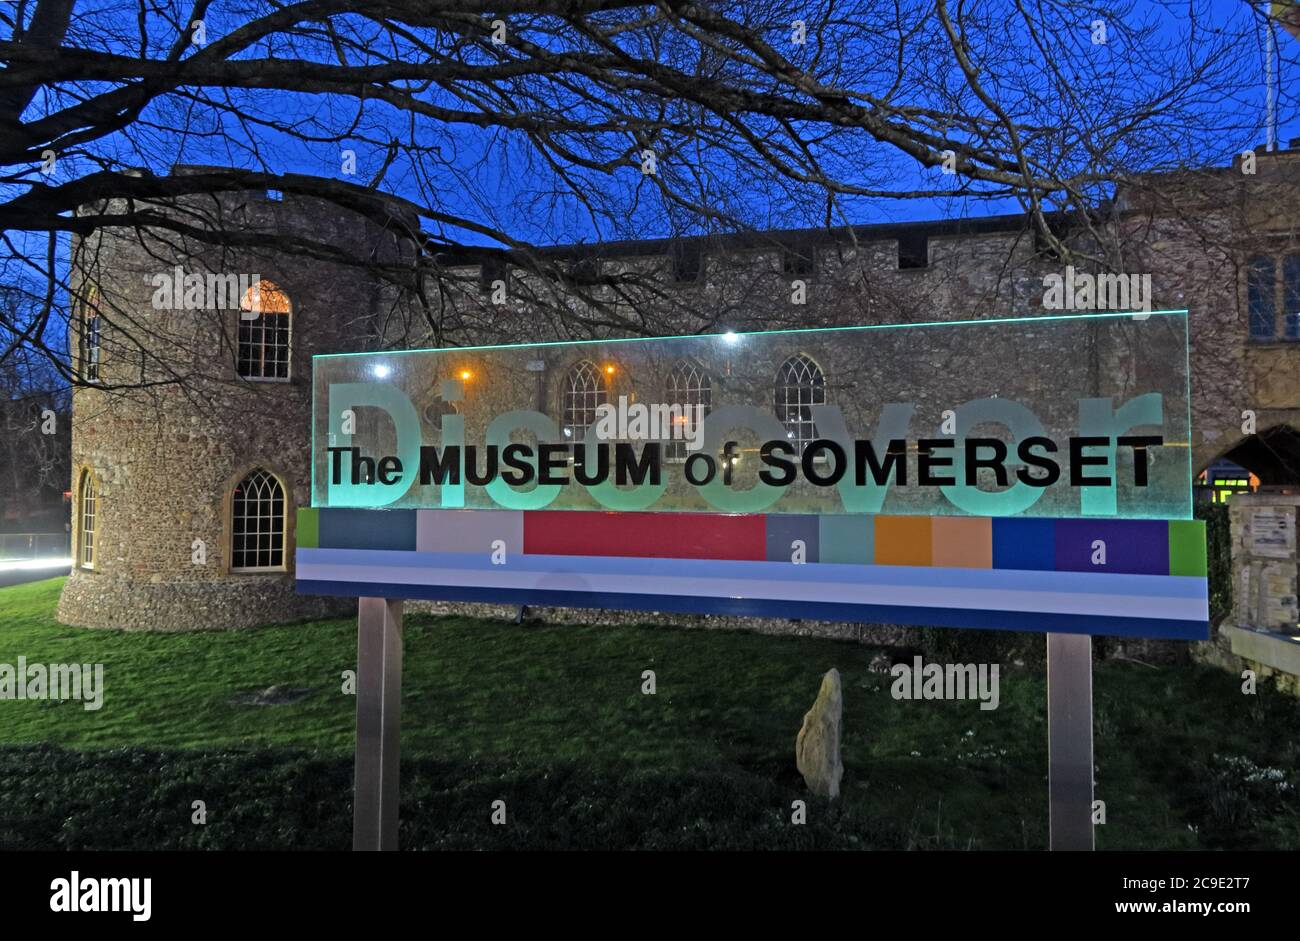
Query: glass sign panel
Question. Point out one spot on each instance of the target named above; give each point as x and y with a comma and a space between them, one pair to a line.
1054, 416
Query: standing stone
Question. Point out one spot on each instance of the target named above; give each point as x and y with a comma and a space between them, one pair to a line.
817, 749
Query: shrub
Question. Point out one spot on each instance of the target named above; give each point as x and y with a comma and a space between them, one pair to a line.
1218, 548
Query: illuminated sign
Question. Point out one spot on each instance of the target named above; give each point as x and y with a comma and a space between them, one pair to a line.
1047, 416
1030, 473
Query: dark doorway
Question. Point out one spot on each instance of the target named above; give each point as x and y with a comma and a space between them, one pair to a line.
1272, 455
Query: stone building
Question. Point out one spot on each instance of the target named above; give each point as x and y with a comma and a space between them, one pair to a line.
184, 484
189, 455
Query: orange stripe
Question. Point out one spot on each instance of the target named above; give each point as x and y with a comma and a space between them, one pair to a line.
903, 540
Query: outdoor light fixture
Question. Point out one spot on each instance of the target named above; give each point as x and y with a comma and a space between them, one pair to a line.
730, 337
609, 370
465, 375
381, 371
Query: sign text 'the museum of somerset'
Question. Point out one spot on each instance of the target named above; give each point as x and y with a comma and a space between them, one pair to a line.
1059, 416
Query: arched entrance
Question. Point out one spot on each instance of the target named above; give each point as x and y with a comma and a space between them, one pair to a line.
1268, 462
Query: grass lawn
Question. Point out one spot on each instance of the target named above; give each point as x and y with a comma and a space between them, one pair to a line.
551, 719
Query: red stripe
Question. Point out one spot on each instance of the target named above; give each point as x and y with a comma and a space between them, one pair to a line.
645, 535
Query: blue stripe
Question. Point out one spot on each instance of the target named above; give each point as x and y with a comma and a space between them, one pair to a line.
1163, 586
1024, 543
742, 607
366, 529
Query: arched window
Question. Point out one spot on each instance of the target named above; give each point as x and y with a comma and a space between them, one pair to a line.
88, 328
88, 503
800, 384
584, 391
1291, 295
257, 523
688, 385
264, 317
1261, 297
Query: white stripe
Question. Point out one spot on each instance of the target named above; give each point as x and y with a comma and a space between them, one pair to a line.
979, 599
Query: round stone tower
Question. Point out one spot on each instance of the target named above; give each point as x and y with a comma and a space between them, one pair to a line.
190, 448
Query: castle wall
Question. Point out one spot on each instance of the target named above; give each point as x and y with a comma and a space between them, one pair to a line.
168, 455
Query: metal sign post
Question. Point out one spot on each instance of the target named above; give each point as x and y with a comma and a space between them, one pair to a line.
1069, 741
379, 723
378, 754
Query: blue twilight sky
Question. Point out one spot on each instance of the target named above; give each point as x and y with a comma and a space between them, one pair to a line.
492, 178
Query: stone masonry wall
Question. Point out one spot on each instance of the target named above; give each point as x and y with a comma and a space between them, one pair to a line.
167, 456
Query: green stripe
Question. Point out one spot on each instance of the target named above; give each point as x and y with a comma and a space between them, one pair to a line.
1187, 547
308, 531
